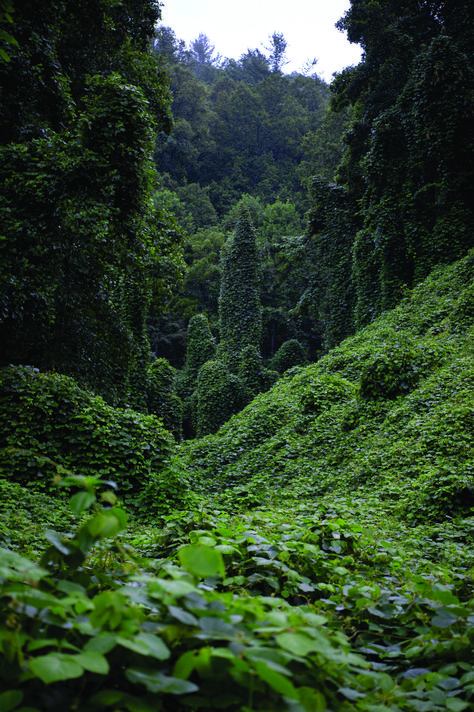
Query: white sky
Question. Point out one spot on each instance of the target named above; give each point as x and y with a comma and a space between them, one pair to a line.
233, 27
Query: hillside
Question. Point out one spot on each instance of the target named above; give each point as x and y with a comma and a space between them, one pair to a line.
319, 558
390, 410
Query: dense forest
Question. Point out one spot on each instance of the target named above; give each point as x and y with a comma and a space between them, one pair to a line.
236, 365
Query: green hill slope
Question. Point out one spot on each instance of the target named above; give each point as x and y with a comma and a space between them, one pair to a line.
390, 409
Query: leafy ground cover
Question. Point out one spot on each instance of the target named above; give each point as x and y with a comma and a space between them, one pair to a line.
390, 409
323, 562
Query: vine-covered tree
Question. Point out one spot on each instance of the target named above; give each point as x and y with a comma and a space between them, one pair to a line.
409, 159
240, 314
83, 250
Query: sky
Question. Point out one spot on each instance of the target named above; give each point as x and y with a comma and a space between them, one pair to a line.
233, 27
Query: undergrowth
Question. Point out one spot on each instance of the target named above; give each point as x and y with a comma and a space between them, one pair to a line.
323, 561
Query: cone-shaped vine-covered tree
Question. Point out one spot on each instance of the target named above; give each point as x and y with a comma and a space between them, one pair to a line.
240, 316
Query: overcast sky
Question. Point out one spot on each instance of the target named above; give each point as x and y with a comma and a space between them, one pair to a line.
233, 27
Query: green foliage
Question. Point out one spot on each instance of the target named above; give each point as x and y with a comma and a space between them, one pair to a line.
47, 422
239, 301
330, 296
389, 408
218, 395
331, 601
162, 399
325, 392
397, 368
83, 251
240, 127
27, 513
291, 353
201, 346
408, 158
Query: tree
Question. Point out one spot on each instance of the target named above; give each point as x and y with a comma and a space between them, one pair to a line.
409, 152
83, 248
205, 63
239, 301
277, 49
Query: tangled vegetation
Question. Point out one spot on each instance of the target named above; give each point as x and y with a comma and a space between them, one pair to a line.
323, 562
311, 550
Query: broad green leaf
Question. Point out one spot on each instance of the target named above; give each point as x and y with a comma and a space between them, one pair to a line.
201, 561
14, 567
81, 501
444, 618
101, 644
156, 647
70, 587
443, 594
156, 682
185, 665
10, 699
109, 497
297, 643
351, 694
103, 525
44, 643
175, 588
456, 705
277, 682
94, 662
138, 646
54, 667
183, 616
216, 627
58, 542
107, 698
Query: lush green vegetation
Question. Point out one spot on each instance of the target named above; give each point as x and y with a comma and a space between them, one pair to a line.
252, 490
319, 556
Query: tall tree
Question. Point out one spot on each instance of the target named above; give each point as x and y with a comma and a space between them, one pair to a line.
205, 60
277, 49
409, 157
83, 249
240, 318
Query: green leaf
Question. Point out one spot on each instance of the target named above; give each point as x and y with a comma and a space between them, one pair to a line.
101, 644
54, 667
14, 567
201, 561
156, 647
185, 665
444, 618
58, 542
297, 643
81, 501
107, 524
156, 682
456, 705
138, 646
94, 662
183, 616
9, 700
107, 698
277, 682
350, 694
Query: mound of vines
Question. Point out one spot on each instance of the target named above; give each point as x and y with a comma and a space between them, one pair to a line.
390, 408
49, 425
